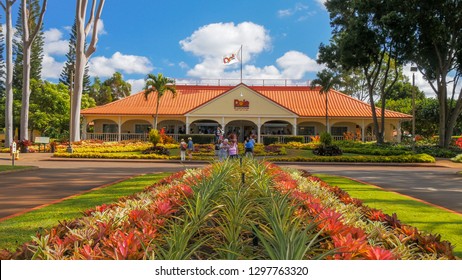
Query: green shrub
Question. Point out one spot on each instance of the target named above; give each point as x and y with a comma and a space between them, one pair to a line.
299, 139
268, 140
437, 151
200, 139
419, 158
457, 158
326, 139
154, 137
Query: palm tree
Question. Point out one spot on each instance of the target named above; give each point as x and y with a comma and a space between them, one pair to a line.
326, 79
161, 85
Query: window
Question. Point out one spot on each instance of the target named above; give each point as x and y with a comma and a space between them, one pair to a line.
306, 130
338, 130
142, 128
110, 128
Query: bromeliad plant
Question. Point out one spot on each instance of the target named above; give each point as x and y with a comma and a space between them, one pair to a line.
233, 210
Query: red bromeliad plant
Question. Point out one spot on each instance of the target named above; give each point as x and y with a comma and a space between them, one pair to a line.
210, 213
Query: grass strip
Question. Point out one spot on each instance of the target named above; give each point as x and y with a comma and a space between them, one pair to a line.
18, 230
11, 168
413, 212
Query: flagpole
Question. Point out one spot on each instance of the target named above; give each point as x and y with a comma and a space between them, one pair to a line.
241, 64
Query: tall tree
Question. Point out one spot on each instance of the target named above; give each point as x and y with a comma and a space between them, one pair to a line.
2, 63
434, 44
9, 73
119, 88
160, 85
100, 93
82, 55
326, 80
36, 53
27, 39
361, 40
70, 63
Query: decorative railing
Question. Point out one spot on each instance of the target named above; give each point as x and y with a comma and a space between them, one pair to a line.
114, 137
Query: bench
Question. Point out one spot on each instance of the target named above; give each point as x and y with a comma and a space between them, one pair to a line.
42, 141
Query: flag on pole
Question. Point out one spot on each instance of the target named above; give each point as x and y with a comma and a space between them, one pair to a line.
232, 58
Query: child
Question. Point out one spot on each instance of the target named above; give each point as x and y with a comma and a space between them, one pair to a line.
224, 147
183, 147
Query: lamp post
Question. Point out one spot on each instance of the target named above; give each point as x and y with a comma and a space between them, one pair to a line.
413, 70
71, 85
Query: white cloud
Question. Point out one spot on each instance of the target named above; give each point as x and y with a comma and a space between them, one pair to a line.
54, 43
209, 43
137, 85
130, 64
101, 30
51, 69
420, 82
295, 65
300, 10
217, 39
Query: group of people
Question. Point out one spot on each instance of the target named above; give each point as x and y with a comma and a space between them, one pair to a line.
186, 148
228, 147
224, 147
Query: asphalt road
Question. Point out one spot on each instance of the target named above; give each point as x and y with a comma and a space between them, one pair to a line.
54, 180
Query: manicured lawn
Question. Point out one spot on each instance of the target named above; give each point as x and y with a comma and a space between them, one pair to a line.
17, 230
16, 167
423, 216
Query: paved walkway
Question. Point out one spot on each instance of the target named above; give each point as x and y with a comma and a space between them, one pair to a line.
56, 179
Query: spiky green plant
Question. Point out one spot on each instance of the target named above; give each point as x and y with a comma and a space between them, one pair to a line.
283, 235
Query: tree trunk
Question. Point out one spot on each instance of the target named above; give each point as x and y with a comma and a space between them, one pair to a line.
80, 63
27, 45
25, 94
157, 111
9, 133
82, 57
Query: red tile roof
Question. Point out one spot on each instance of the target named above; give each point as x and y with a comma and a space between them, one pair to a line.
302, 100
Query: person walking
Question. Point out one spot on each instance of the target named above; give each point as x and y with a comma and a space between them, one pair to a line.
249, 145
233, 149
190, 148
183, 148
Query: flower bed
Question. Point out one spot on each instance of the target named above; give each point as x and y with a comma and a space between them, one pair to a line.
229, 211
419, 158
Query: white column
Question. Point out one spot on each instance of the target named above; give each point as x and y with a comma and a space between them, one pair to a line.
84, 129
398, 131
119, 136
259, 130
294, 131
363, 132
187, 125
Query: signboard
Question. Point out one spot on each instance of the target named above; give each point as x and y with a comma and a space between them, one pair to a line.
241, 104
13, 147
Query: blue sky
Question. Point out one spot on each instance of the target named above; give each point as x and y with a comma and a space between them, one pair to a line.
186, 39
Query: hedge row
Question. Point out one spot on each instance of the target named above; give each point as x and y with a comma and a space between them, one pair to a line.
419, 158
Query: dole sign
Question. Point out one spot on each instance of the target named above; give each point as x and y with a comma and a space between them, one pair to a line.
241, 104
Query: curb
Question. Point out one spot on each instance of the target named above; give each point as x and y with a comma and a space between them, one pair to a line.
198, 162
19, 170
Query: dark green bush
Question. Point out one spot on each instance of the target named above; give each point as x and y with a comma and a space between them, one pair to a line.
158, 150
268, 140
330, 150
437, 151
200, 139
